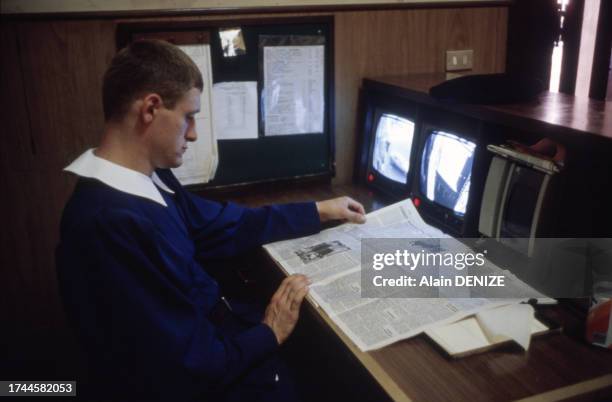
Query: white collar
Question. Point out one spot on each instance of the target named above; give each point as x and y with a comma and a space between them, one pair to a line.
119, 177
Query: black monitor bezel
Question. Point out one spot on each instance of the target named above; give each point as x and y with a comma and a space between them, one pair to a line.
374, 105
440, 216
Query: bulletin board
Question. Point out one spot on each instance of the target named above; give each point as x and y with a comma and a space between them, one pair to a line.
282, 70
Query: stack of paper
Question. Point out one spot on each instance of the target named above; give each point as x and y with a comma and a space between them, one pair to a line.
488, 329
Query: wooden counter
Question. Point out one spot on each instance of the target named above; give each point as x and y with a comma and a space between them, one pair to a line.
556, 366
564, 114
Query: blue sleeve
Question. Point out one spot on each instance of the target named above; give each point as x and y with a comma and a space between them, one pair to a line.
225, 230
221, 230
131, 299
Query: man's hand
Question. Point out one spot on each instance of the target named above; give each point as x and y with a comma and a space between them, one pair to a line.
343, 208
284, 309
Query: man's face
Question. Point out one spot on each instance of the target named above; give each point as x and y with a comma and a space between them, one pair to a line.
173, 129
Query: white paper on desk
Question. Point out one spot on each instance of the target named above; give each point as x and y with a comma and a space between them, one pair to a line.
200, 160
382, 322
235, 110
513, 321
293, 89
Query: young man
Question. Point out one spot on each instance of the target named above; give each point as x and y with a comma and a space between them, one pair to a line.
134, 247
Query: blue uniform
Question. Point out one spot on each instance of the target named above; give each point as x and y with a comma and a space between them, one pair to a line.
132, 279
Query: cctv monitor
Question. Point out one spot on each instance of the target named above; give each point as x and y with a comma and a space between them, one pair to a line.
392, 147
446, 170
385, 156
447, 173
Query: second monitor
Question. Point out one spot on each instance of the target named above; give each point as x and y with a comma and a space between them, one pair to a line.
447, 154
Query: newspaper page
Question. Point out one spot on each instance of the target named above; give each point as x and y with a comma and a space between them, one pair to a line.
332, 260
337, 251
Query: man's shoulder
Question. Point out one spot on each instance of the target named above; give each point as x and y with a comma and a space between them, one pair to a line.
93, 202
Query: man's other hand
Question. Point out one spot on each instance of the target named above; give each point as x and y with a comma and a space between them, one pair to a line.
284, 309
341, 208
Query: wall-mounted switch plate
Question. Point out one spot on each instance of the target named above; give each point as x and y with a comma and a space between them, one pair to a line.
457, 60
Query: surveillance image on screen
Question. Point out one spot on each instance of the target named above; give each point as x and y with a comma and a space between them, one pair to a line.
391, 156
446, 169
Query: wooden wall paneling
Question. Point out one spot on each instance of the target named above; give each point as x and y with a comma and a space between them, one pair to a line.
41, 342
61, 65
381, 43
28, 244
15, 137
16, 157
488, 30
64, 62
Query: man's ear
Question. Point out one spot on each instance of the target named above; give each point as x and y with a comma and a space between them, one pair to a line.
151, 104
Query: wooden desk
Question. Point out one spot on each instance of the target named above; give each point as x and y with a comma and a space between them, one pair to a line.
556, 367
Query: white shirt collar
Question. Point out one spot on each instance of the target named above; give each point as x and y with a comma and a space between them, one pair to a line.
119, 177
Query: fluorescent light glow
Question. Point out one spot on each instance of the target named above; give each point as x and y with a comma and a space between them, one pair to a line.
555, 68
587, 47
557, 56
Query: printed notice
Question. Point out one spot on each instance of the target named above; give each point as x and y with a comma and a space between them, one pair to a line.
293, 89
235, 110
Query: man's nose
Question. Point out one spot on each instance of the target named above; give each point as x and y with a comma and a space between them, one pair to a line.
192, 133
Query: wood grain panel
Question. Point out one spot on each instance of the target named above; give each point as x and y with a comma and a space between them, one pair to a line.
410, 41
63, 65
51, 97
15, 156
15, 138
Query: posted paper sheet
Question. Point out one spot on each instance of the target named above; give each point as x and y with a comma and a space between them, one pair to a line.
201, 158
293, 89
235, 110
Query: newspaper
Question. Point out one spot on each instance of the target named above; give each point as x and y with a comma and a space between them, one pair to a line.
332, 260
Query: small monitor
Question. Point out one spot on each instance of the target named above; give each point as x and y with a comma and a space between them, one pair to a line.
513, 199
446, 170
392, 147
521, 202
388, 134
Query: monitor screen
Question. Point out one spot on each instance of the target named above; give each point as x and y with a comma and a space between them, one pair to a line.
446, 170
392, 146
